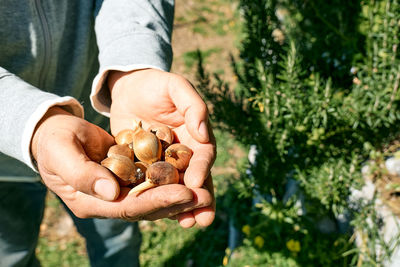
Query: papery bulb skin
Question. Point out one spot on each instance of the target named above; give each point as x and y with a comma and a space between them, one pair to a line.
179, 156
159, 173
122, 166
141, 171
164, 133
146, 145
123, 150
124, 137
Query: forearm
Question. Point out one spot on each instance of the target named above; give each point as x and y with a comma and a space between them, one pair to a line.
135, 32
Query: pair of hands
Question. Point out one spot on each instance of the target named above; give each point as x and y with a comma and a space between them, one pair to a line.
68, 151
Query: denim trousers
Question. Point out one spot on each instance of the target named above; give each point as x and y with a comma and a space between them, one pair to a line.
109, 242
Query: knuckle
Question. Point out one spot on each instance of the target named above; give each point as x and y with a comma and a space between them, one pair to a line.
123, 214
204, 198
214, 149
129, 215
208, 201
213, 155
210, 155
167, 198
202, 109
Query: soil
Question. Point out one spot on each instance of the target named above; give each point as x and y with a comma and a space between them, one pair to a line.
187, 38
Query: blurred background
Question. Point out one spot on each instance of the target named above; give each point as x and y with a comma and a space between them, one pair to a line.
303, 96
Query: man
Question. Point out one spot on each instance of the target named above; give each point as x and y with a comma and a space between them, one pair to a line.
48, 53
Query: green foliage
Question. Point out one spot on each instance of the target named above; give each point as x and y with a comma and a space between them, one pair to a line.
50, 256
190, 58
317, 94
166, 244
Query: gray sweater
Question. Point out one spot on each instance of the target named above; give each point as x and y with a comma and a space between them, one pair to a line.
58, 52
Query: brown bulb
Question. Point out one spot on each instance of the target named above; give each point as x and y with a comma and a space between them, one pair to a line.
159, 173
141, 171
123, 167
146, 145
164, 133
125, 137
123, 150
179, 156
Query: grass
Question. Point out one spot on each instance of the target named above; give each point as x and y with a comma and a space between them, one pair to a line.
59, 244
166, 244
248, 255
61, 254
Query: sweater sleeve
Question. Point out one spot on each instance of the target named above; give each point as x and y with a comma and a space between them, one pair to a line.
131, 34
21, 108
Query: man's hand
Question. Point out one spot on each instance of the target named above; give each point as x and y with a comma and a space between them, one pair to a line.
68, 150
154, 96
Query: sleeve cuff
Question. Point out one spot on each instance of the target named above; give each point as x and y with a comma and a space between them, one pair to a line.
68, 103
129, 52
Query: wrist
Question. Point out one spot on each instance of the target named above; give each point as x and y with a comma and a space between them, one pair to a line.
115, 75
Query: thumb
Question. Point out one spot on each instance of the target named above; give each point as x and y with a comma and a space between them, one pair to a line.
83, 174
192, 107
196, 120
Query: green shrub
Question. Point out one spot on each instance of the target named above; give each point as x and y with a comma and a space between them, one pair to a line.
317, 94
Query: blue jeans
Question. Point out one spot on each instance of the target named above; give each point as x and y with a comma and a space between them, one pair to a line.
109, 242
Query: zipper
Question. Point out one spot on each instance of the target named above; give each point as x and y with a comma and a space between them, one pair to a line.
47, 43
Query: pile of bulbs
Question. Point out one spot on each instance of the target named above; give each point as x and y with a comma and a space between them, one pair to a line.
145, 159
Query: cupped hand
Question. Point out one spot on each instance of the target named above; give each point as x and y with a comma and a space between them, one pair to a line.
155, 96
68, 150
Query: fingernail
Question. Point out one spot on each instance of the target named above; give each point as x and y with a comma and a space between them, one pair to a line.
203, 130
105, 188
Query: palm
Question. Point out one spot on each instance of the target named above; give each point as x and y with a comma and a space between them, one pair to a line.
148, 99
153, 96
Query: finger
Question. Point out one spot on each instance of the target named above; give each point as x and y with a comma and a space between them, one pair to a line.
73, 165
200, 165
131, 207
189, 103
186, 219
201, 198
206, 215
